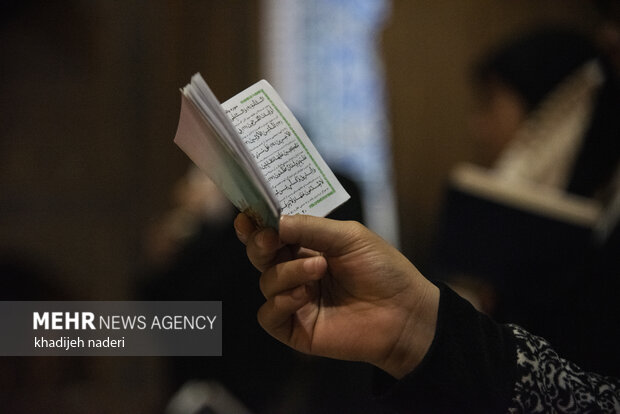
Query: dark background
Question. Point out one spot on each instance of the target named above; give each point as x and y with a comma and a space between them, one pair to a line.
89, 103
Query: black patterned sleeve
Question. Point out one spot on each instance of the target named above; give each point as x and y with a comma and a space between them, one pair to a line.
476, 365
547, 383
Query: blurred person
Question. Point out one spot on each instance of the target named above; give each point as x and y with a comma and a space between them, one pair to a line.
466, 378
548, 111
36, 384
194, 254
548, 122
196, 200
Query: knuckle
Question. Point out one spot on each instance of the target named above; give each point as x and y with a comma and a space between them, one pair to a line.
355, 229
260, 316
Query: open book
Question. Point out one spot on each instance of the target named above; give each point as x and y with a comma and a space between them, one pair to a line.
256, 152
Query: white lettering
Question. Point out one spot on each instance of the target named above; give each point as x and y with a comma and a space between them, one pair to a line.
38, 320
75, 320
211, 320
87, 320
57, 320
63, 321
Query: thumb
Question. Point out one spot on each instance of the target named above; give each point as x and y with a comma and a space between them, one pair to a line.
318, 233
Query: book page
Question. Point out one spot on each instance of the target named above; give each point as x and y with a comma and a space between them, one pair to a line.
300, 179
211, 147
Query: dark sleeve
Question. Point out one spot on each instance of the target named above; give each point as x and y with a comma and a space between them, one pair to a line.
476, 365
469, 368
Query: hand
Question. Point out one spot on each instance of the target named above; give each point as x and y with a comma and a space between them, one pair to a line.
336, 289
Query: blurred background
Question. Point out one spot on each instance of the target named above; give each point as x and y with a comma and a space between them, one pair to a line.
89, 104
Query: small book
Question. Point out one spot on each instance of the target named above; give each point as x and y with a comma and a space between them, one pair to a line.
256, 152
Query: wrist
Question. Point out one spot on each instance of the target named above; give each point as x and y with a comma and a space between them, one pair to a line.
417, 334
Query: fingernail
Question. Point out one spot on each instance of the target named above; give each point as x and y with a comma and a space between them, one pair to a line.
240, 235
283, 218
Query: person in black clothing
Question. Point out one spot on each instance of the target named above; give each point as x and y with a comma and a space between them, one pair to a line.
336, 289
207, 263
550, 115
530, 90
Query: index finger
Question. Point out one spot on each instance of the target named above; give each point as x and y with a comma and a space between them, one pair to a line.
264, 249
262, 245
